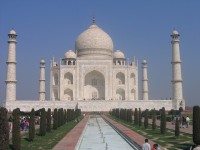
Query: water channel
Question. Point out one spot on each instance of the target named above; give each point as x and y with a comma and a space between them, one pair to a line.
99, 135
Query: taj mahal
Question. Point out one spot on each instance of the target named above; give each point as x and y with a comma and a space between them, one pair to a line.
94, 77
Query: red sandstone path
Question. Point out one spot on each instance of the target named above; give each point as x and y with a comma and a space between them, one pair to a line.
71, 139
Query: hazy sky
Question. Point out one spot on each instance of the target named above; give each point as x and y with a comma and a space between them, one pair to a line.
139, 28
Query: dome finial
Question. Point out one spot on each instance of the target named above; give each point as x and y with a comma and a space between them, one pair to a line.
93, 19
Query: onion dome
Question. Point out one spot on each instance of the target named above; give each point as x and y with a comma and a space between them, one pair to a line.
94, 42
13, 32
119, 55
70, 54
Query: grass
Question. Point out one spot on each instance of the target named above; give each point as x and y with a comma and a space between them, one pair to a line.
48, 141
167, 140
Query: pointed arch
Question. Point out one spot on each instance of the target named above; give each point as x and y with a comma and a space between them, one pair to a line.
132, 76
68, 78
94, 87
120, 78
120, 94
133, 94
68, 94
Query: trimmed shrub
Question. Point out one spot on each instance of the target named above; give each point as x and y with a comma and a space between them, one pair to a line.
43, 126
16, 137
55, 119
4, 130
154, 120
136, 117
177, 130
163, 121
49, 120
196, 125
32, 126
146, 119
140, 118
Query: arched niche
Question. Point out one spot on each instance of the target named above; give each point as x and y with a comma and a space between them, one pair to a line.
94, 87
68, 94
120, 94
68, 78
120, 78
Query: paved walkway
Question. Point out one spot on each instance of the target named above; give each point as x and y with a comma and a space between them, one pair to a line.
71, 139
130, 133
169, 125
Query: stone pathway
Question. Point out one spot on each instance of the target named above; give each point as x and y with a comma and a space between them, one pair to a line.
71, 139
169, 125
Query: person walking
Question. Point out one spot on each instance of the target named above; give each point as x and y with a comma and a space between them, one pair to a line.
187, 121
146, 145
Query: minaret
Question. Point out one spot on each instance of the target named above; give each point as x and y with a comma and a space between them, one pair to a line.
11, 67
145, 94
177, 93
42, 81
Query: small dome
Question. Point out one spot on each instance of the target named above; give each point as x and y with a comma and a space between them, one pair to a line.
118, 54
175, 32
70, 54
94, 42
42, 61
13, 32
144, 62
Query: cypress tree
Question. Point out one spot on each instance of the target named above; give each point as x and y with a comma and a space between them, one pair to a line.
146, 119
32, 126
4, 130
55, 119
16, 137
196, 125
59, 117
49, 120
154, 120
65, 115
140, 118
177, 130
163, 121
136, 117
43, 125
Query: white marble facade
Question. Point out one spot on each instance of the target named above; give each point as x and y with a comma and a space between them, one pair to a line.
93, 77
94, 71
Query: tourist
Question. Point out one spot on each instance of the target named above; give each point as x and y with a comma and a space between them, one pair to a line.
187, 121
146, 145
154, 147
157, 148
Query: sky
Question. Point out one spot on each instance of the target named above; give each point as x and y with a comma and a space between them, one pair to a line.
140, 29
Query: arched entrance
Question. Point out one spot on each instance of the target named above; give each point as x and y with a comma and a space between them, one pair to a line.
94, 87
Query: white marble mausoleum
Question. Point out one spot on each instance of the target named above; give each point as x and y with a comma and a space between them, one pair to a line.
94, 77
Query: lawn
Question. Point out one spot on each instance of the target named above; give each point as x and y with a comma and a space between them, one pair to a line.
167, 140
48, 141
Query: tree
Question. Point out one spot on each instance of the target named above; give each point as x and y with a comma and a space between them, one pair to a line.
140, 117
163, 121
49, 120
177, 130
32, 126
154, 120
55, 119
43, 122
136, 118
16, 137
4, 130
196, 125
146, 119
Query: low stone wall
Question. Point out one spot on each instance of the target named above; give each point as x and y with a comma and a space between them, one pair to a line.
88, 106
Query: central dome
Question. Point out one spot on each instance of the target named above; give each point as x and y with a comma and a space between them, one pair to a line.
94, 42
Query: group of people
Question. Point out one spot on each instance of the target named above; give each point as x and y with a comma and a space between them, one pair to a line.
147, 146
183, 121
24, 124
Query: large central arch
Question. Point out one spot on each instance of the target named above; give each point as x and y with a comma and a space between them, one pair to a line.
94, 87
